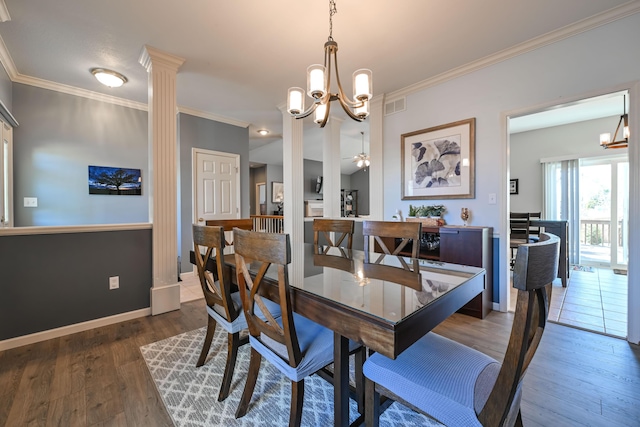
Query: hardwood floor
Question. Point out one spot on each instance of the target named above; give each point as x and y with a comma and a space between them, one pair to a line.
98, 377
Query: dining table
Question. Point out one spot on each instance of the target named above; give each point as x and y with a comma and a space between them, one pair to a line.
386, 303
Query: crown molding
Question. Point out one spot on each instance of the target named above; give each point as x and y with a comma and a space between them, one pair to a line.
211, 116
7, 60
587, 24
4, 12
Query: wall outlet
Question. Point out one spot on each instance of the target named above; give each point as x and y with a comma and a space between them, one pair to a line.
492, 198
30, 202
114, 282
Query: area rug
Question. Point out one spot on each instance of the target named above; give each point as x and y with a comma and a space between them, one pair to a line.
586, 268
190, 393
618, 271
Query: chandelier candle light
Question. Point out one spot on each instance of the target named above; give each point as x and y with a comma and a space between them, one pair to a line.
319, 86
605, 138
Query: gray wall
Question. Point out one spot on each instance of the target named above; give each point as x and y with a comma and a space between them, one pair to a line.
59, 136
54, 280
575, 140
360, 182
274, 174
196, 132
6, 94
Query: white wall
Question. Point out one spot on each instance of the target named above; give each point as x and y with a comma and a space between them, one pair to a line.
575, 140
573, 68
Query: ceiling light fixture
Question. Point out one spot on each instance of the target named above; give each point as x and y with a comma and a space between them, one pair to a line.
362, 159
319, 86
605, 138
263, 132
109, 77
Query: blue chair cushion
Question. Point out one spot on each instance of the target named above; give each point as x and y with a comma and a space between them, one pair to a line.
240, 323
316, 346
447, 380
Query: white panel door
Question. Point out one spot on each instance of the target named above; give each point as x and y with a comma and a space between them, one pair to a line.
216, 184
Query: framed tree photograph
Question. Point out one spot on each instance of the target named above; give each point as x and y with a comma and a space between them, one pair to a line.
115, 181
513, 186
439, 162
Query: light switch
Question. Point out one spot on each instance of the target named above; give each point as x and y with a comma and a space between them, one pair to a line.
30, 202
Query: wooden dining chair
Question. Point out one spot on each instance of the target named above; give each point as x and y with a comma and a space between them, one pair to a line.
295, 345
230, 224
343, 229
519, 232
408, 232
458, 385
534, 231
223, 306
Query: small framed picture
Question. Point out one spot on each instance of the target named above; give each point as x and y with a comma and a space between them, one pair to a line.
513, 186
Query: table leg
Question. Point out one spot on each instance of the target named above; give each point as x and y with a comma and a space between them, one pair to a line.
340, 380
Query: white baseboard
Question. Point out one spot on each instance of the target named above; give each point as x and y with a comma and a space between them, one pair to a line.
72, 329
165, 298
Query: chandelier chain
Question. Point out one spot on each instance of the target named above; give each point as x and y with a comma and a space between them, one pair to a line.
332, 11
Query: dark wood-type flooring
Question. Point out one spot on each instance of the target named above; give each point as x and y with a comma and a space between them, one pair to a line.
98, 377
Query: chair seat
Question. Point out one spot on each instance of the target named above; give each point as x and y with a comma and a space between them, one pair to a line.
240, 322
514, 243
449, 381
316, 346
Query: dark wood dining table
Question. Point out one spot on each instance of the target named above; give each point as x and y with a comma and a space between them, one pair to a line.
386, 304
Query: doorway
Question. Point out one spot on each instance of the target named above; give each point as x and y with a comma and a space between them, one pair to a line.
215, 185
261, 198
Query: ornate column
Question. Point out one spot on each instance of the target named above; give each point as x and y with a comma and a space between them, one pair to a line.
376, 170
162, 183
292, 144
331, 157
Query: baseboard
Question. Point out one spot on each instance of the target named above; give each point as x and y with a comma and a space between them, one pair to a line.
165, 298
72, 329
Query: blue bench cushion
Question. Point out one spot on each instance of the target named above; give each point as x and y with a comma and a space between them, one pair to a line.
447, 380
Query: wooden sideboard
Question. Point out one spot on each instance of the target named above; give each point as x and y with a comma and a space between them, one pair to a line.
470, 245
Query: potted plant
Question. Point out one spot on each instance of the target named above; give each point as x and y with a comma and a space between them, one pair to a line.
413, 211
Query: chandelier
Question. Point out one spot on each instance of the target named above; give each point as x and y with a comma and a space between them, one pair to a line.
605, 138
319, 86
362, 159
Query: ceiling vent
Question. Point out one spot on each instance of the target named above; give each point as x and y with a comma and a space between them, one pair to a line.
395, 106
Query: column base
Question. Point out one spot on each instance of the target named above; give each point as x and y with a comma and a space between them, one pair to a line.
165, 298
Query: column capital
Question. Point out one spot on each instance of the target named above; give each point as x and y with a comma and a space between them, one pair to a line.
150, 55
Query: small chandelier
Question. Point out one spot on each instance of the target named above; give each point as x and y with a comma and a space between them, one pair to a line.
362, 159
605, 138
319, 86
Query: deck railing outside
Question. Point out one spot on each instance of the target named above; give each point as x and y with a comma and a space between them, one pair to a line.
268, 223
597, 232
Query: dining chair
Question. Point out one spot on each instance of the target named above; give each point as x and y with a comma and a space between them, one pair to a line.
534, 231
408, 232
519, 232
324, 227
295, 345
223, 306
230, 224
458, 385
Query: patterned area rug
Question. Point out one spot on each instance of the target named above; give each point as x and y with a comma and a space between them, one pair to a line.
190, 393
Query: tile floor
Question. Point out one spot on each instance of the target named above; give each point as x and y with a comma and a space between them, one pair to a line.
593, 300
190, 288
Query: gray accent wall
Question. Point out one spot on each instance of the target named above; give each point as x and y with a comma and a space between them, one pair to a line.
360, 182
54, 280
196, 132
59, 136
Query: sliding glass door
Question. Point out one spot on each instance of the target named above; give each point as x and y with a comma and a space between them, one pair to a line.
603, 207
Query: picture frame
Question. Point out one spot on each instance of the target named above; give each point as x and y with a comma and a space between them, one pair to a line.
107, 180
439, 162
277, 192
513, 186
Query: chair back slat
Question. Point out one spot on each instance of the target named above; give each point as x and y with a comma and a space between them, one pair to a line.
537, 266
229, 224
266, 250
324, 227
409, 232
206, 241
519, 228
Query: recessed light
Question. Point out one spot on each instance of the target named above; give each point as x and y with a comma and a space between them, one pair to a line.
109, 77
263, 132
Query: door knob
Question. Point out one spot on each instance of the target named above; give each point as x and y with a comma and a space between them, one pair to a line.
200, 220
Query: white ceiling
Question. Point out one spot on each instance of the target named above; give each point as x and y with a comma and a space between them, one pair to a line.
241, 56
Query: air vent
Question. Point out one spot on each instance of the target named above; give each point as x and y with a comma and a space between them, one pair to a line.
394, 106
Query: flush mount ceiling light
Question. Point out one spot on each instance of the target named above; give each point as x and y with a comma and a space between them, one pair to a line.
605, 138
362, 159
263, 132
319, 86
109, 77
